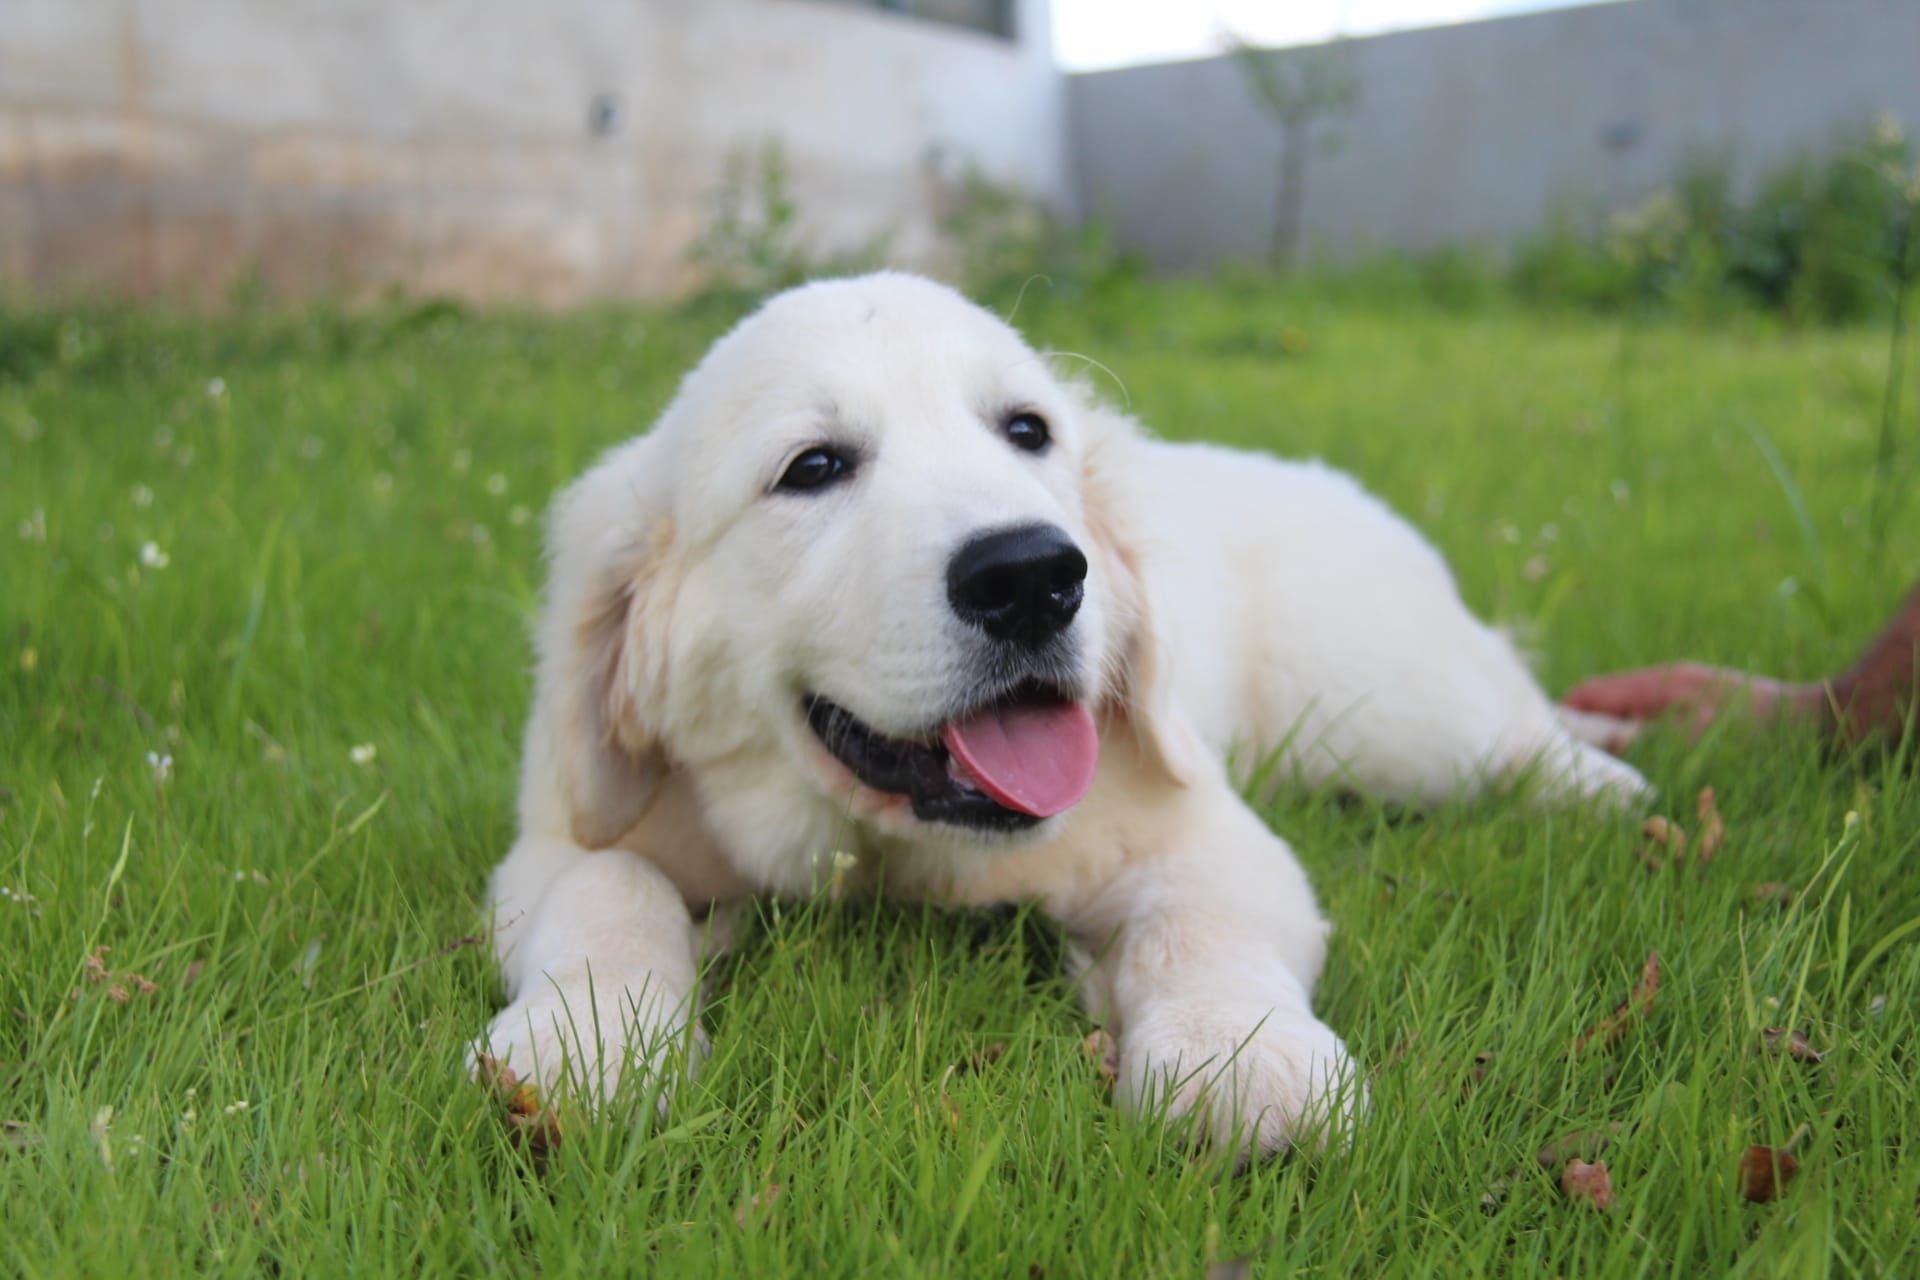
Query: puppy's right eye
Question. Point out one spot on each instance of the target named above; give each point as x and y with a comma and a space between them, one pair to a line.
815, 469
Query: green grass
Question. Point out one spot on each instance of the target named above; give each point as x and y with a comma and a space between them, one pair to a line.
350, 519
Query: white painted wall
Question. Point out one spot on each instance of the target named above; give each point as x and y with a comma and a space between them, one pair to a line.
166, 146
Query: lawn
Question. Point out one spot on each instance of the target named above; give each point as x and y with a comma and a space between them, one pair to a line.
263, 598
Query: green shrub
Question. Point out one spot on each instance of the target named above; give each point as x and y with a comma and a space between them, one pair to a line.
1004, 240
753, 242
1820, 240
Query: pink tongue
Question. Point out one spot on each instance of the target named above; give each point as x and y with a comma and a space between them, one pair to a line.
1038, 760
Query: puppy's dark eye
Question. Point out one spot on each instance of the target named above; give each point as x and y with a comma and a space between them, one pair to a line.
1029, 431
815, 469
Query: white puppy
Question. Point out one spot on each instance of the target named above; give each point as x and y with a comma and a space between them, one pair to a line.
881, 598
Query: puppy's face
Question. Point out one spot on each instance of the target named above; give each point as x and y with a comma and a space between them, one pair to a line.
886, 584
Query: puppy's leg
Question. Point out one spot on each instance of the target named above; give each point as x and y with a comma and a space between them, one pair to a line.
1204, 960
1566, 770
599, 955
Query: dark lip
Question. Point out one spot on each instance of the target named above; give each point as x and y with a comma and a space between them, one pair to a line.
919, 769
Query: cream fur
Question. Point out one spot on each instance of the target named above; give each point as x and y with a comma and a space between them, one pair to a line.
1235, 603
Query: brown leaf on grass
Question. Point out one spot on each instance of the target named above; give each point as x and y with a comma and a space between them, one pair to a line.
981, 1059
1099, 1046
1587, 1182
1765, 1172
1713, 830
1581, 1144
120, 986
1779, 1040
753, 1205
1498, 1190
1772, 891
1639, 1004
1665, 842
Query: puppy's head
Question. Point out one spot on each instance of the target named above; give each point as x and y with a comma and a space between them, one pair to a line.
864, 566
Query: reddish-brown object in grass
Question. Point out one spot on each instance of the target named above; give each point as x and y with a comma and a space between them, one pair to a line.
1588, 1182
1765, 1172
1713, 829
750, 1208
1100, 1047
1666, 835
1794, 1044
528, 1121
1637, 1005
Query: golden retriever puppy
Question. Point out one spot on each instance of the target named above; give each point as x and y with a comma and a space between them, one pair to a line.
880, 598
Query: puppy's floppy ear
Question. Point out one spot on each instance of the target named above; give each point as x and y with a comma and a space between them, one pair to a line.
1139, 683
594, 752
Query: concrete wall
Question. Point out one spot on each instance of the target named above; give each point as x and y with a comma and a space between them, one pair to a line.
167, 146
1473, 133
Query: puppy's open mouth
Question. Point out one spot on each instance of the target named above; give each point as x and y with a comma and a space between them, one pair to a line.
1001, 767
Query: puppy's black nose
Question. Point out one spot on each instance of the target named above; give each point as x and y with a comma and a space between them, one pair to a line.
1022, 585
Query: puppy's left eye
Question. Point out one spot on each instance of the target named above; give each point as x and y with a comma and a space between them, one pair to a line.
1028, 431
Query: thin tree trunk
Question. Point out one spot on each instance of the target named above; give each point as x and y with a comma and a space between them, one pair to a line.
1290, 199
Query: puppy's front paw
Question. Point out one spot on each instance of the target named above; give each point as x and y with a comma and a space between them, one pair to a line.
567, 1043
1254, 1080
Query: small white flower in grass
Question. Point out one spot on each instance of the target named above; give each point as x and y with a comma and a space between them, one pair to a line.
34, 527
363, 753
216, 387
142, 496
496, 484
152, 557
519, 515
162, 767
235, 1108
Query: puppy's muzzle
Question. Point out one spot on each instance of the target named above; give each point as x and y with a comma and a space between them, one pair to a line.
1020, 585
